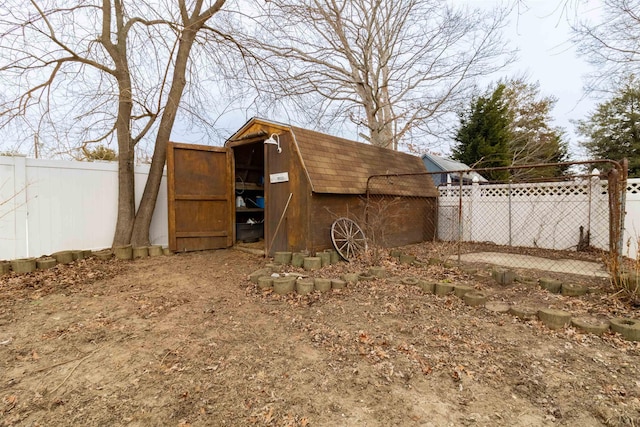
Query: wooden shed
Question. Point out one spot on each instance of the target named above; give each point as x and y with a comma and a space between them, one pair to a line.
287, 185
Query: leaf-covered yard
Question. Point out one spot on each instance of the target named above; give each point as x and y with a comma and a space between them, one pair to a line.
188, 340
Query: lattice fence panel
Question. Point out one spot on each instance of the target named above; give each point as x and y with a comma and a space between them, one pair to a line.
541, 215
557, 219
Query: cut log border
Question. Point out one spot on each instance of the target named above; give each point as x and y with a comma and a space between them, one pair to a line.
140, 252
123, 252
552, 285
46, 263
443, 288
155, 250
23, 265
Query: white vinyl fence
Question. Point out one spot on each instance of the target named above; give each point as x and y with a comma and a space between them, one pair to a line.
542, 215
632, 220
52, 205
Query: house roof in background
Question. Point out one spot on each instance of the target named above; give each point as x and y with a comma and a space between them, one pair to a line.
337, 165
449, 165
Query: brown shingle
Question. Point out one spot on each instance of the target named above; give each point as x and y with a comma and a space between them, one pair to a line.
340, 166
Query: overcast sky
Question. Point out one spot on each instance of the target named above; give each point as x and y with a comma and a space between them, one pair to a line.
540, 29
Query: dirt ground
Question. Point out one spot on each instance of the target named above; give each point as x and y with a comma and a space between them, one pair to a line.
188, 340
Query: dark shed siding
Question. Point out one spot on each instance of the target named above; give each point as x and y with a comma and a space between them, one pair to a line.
328, 179
395, 221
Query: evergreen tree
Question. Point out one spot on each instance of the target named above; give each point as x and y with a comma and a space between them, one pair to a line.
511, 127
613, 130
534, 140
484, 134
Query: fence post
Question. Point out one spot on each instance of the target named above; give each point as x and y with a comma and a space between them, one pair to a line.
475, 197
616, 190
459, 215
509, 195
623, 207
21, 213
594, 185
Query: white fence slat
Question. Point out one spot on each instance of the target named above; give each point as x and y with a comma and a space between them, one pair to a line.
632, 219
8, 237
65, 205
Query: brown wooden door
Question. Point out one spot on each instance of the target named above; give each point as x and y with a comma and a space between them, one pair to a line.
277, 195
200, 194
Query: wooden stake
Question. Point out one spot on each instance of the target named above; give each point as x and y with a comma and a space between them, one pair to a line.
273, 238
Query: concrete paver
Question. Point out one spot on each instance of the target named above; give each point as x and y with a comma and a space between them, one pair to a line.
571, 266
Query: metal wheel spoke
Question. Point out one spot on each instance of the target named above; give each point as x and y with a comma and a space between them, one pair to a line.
345, 230
348, 238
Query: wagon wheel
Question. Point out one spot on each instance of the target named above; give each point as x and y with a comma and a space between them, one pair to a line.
348, 238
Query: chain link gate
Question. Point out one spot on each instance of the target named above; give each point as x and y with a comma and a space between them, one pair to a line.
568, 221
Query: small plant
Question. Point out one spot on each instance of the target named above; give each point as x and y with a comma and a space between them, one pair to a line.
627, 281
446, 250
379, 212
374, 218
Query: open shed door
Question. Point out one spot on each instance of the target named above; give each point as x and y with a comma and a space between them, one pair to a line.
200, 194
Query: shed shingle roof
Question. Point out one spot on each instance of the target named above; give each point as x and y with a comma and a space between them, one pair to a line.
337, 165
340, 166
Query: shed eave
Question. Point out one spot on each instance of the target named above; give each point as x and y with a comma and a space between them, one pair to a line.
239, 137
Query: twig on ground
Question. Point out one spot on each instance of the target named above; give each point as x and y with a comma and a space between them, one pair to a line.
74, 368
55, 365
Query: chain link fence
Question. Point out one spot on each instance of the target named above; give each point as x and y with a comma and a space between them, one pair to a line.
571, 224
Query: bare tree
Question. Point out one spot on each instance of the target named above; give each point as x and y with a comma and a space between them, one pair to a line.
395, 67
114, 69
611, 43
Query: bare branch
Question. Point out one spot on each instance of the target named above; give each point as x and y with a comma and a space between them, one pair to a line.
610, 44
391, 66
78, 73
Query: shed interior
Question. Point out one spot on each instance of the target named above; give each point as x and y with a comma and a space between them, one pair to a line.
249, 170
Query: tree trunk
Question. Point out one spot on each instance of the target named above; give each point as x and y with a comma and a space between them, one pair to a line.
126, 199
192, 24
126, 175
126, 153
142, 223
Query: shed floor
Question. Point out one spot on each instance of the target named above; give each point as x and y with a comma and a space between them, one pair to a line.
256, 248
572, 266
